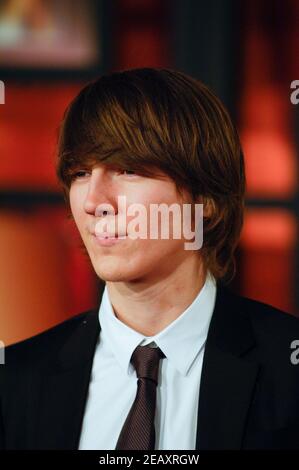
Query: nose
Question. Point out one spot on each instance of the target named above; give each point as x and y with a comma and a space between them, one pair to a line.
101, 195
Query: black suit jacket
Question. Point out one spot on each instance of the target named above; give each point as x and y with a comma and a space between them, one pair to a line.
249, 391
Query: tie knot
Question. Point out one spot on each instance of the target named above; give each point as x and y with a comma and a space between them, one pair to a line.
146, 362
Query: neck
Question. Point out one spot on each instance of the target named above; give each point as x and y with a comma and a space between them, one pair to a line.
149, 307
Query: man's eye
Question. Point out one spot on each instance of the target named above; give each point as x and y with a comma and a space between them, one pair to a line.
129, 172
82, 173
78, 174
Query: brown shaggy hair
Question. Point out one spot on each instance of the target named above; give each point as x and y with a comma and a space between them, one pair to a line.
149, 119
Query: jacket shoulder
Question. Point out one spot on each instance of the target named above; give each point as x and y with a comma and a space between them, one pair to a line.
266, 314
274, 329
51, 339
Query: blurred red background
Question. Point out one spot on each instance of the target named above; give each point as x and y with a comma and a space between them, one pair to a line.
247, 55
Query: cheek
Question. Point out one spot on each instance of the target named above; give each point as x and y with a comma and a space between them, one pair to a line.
155, 192
159, 249
154, 195
76, 207
73, 200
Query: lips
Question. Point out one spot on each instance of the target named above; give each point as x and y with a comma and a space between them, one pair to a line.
107, 241
109, 235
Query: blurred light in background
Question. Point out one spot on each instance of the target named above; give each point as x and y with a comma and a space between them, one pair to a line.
267, 122
41, 33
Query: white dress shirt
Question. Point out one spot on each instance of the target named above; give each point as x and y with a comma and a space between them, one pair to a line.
113, 382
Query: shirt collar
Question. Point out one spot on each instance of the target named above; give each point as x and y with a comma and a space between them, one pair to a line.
180, 341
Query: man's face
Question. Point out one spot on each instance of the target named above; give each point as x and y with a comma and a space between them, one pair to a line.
128, 259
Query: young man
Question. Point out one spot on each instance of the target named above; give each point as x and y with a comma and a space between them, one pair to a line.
171, 358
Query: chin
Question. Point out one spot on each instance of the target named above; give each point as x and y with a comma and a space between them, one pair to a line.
110, 277
116, 274
112, 273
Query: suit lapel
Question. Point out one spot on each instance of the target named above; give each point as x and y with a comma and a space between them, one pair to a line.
226, 389
228, 379
63, 387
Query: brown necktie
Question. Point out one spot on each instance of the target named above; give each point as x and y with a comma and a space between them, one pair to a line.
138, 431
